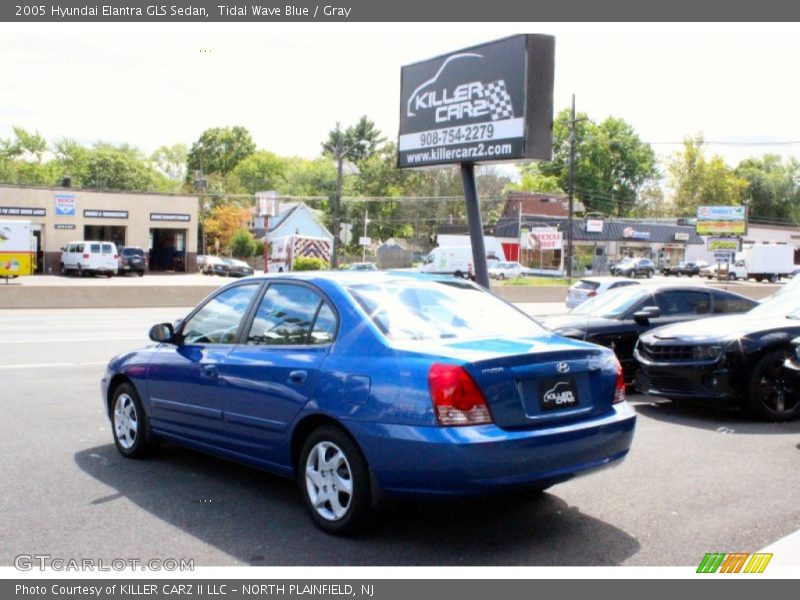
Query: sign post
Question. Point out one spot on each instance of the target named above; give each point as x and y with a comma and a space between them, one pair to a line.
485, 104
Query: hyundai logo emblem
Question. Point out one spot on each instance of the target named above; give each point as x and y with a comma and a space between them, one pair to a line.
562, 367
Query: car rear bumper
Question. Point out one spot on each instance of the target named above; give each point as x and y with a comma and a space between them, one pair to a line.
485, 459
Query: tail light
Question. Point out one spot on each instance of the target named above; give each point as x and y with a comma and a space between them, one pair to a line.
116, 257
619, 388
456, 398
86, 256
591, 294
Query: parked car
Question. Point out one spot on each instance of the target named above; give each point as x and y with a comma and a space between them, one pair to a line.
583, 289
731, 272
508, 270
634, 267
202, 261
214, 265
132, 260
90, 258
363, 266
367, 385
730, 360
690, 268
237, 268
617, 318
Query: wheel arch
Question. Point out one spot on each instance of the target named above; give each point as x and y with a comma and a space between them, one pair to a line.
305, 426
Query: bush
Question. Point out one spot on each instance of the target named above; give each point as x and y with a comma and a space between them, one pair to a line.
309, 263
242, 244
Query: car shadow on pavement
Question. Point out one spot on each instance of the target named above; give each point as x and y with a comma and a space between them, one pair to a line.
260, 519
714, 418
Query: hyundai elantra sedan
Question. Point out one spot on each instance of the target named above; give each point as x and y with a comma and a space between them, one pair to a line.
363, 386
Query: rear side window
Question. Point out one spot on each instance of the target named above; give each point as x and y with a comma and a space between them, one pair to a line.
94, 248
78, 248
585, 284
683, 303
107, 249
725, 304
292, 315
620, 284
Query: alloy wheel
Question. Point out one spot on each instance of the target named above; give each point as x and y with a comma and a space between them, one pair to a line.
126, 421
774, 391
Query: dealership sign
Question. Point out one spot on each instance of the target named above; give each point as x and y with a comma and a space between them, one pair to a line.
721, 220
22, 211
631, 234
488, 103
594, 225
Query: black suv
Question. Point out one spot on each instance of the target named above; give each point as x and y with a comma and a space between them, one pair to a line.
132, 260
634, 267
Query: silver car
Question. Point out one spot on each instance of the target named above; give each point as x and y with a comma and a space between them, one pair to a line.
583, 289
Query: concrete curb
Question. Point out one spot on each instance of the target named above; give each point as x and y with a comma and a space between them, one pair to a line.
103, 297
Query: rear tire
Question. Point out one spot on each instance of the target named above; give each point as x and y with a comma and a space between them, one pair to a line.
62, 269
769, 395
334, 481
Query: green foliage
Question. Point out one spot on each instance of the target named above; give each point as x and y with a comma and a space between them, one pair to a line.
261, 171
120, 168
699, 181
772, 187
611, 163
219, 150
534, 181
359, 141
242, 244
309, 263
309, 178
171, 161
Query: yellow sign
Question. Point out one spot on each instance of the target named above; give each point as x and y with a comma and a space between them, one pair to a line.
14, 264
721, 227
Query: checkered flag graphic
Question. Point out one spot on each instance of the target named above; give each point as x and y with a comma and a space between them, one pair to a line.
499, 100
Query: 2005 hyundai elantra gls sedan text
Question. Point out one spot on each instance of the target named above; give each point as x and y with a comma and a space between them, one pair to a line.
363, 386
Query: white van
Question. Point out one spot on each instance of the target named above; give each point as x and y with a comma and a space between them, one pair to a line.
90, 257
453, 260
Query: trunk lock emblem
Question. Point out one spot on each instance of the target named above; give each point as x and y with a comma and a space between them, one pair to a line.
562, 367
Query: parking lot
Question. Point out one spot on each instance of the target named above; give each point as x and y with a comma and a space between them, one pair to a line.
697, 480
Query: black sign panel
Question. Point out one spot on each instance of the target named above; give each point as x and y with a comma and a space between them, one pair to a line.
64, 226
488, 103
105, 214
170, 217
22, 211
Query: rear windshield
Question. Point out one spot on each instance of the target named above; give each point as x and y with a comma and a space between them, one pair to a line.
428, 310
612, 304
107, 249
134, 252
585, 284
94, 248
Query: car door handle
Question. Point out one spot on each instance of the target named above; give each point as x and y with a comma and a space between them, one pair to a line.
298, 376
210, 371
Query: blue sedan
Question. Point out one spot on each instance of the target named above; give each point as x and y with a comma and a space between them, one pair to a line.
368, 385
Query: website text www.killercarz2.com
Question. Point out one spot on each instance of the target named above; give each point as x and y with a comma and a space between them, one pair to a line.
480, 150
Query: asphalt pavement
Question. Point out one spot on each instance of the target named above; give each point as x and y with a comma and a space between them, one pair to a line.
697, 480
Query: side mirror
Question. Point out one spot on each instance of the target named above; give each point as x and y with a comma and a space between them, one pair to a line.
162, 333
643, 316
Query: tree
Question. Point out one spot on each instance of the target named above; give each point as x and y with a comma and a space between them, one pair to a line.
772, 187
612, 164
533, 181
219, 150
261, 171
698, 181
223, 221
72, 159
242, 244
360, 141
120, 168
171, 161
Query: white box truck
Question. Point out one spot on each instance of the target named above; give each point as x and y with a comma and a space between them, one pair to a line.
17, 249
769, 261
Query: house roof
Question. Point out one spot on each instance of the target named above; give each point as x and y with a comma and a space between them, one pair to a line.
539, 204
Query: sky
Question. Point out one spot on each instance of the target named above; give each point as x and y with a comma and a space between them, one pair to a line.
149, 85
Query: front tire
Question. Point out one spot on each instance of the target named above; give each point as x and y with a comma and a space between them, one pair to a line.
769, 395
334, 481
129, 423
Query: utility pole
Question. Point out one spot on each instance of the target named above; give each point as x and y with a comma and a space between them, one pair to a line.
338, 198
364, 246
571, 189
